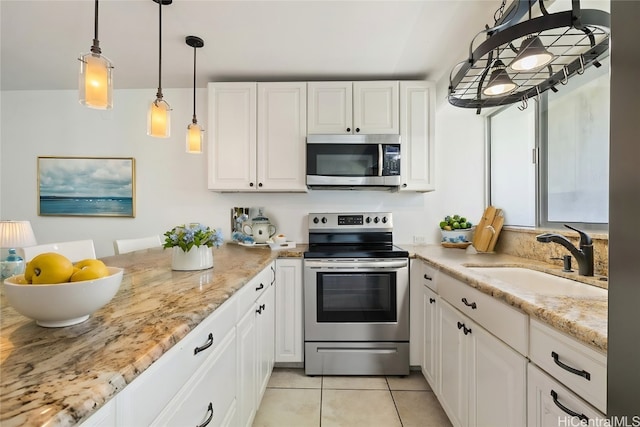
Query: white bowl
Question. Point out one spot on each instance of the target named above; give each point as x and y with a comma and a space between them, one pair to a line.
280, 238
63, 304
457, 236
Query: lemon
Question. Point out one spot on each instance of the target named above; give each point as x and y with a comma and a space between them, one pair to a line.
88, 269
48, 268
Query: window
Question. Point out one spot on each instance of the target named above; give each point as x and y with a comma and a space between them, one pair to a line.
549, 163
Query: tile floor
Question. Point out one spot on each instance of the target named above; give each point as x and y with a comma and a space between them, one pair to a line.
293, 399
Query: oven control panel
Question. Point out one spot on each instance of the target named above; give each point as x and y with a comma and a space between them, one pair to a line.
351, 220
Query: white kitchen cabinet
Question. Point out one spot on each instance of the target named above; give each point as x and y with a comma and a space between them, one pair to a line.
482, 380
367, 107
289, 340
550, 404
209, 397
257, 136
417, 133
255, 336
430, 349
416, 315
141, 401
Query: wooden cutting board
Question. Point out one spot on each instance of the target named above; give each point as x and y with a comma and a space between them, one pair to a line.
484, 232
497, 224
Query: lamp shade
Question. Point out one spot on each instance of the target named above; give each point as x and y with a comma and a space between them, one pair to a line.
499, 83
95, 85
194, 138
159, 120
531, 56
16, 234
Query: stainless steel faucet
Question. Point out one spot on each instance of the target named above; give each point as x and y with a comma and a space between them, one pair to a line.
584, 255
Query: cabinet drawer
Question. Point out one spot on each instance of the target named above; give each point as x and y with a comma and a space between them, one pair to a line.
147, 395
429, 277
580, 368
503, 321
210, 394
551, 405
250, 292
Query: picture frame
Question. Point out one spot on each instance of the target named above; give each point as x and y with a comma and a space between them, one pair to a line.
86, 186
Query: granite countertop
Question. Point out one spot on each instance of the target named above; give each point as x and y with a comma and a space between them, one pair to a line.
582, 317
59, 376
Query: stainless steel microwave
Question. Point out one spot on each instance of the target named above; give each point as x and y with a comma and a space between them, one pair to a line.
353, 161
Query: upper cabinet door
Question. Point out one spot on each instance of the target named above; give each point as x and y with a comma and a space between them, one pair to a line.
282, 130
330, 108
375, 107
232, 136
417, 107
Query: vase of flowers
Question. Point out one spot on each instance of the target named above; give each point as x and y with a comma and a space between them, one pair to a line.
191, 245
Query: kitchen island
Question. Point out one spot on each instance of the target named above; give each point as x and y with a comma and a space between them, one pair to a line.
60, 376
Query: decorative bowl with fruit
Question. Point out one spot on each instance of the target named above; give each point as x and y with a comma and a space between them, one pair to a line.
56, 293
456, 230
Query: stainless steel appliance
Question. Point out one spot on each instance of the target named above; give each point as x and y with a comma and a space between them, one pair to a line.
353, 161
356, 285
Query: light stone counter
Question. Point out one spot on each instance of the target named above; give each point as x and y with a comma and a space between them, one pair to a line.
60, 376
583, 317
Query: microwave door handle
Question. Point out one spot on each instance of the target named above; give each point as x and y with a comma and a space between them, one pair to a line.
380, 164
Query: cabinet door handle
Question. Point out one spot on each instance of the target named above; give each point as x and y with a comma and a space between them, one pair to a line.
469, 304
566, 410
251, 184
348, 129
460, 325
204, 346
582, 373
432, 300
260, 184
260, 309
466, 330
357, 129
209, 418
260, 287
428, 277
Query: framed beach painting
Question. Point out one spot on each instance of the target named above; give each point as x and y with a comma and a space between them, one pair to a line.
86, 186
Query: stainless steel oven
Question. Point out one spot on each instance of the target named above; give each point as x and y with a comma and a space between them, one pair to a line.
356, 297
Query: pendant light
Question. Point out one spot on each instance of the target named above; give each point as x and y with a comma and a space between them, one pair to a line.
531, 56
95, 82
499, 83
159, 119
194, 130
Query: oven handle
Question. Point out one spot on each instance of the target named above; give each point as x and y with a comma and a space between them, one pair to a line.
357, 264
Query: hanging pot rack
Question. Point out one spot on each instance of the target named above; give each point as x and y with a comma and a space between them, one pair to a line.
577, 38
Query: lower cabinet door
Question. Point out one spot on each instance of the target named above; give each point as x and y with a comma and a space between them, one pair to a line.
550, 404
265, 334
497, 381
247, 368
429, 364
209, 397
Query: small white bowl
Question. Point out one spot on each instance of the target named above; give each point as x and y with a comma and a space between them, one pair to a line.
63, 304
280, 238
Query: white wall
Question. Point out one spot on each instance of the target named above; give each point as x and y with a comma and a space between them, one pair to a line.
171, 186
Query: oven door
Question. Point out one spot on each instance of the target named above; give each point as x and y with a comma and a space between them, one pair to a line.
356, 299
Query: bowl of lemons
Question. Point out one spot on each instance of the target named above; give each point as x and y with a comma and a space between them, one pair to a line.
456, 231
56, 292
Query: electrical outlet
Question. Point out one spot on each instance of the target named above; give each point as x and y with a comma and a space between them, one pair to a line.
418, 240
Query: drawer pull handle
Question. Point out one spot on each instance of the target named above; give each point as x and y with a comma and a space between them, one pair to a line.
428, 277
432, 300
205, 345
460, 325
464, 328
582, 373
209, 418
469, 304
260, 287
260, 308
568, 411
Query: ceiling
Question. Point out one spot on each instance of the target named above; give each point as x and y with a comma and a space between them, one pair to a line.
244, 40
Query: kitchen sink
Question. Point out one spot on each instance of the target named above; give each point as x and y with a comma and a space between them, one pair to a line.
539, 282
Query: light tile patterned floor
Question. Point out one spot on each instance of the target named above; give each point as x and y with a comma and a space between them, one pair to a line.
293, 399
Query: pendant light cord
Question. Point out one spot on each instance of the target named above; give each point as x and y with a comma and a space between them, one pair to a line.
95, 48
159, 94
195, 120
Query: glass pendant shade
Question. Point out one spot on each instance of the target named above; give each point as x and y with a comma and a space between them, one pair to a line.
159, 120
531, 56
194, 138
499, 83
95, 83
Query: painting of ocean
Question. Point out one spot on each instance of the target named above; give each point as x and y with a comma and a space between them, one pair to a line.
81, 186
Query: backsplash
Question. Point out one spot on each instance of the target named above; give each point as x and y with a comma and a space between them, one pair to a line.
522, 242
